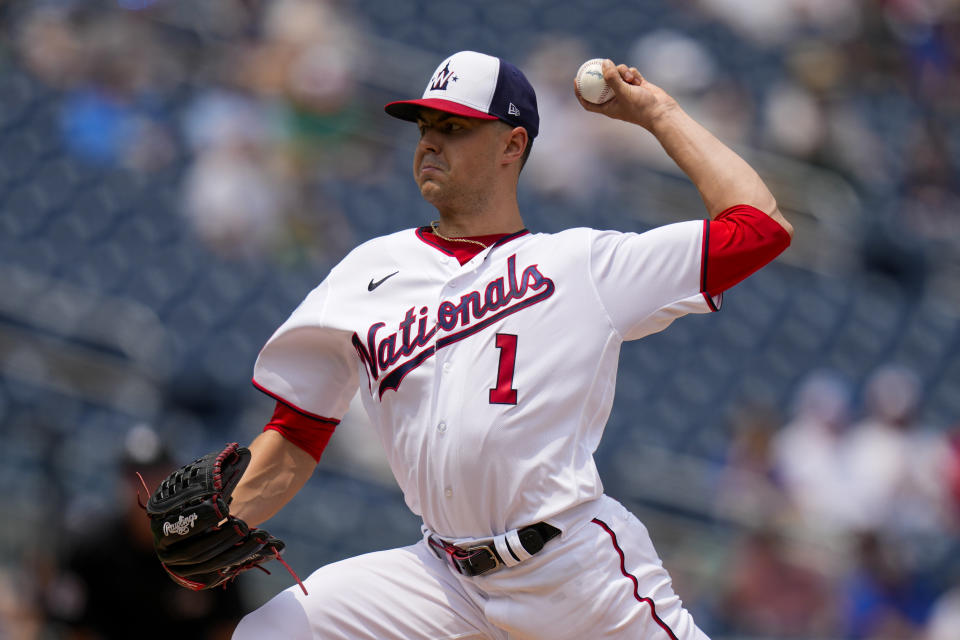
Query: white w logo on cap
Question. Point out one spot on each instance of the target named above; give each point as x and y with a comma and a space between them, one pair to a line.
441, 79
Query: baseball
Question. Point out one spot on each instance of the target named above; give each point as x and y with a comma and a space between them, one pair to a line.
593, 88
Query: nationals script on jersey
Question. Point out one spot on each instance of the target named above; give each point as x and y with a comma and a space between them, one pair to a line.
489, 383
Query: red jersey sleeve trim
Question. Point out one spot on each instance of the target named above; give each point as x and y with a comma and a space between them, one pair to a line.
737, 243
310, 434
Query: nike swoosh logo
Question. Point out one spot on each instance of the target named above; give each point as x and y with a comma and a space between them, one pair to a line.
373, 285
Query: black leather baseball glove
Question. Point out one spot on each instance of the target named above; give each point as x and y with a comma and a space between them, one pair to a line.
197, 540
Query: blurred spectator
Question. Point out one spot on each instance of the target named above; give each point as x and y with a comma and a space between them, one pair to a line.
321, 50
882, 598
51, 48
932, 196
308, 62
248, 194
773, 596
773, 22
678, 63
768, 23
927, 213
264, 145
239, 188
692, 73
954, 470
111, 584
19, 619
809, 454
356, 449
945, 616
106, 127
110, 63
728, 108
570, 160
899, 471
794, 120
749, 491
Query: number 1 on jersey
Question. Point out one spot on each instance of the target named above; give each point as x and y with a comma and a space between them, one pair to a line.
504, 393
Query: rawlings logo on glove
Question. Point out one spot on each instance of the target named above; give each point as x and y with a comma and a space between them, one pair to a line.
181, 526
199, 543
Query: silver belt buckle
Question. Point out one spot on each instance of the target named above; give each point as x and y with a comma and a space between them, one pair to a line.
478, 560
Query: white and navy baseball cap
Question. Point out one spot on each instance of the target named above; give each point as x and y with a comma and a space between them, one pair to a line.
477, 86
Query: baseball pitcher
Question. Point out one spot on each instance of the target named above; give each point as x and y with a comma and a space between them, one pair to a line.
486, 356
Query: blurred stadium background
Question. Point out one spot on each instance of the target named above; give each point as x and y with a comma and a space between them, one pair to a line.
175, 176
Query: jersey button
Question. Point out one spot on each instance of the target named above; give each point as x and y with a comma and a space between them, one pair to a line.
447, 366
442, 427
448, 492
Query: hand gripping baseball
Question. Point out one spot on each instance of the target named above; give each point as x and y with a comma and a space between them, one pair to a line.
199, 543
635, 99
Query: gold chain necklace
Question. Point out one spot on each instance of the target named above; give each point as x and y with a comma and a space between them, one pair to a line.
436, 231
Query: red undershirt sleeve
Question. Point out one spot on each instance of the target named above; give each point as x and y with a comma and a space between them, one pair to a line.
307, 432
740, 241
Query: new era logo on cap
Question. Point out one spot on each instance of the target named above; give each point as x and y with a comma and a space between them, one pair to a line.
478, 86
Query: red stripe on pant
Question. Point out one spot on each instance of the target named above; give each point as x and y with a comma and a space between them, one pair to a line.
636, 584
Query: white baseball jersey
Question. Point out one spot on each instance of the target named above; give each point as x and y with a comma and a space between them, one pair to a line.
490, 382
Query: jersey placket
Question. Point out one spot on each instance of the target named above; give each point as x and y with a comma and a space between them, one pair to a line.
450, 374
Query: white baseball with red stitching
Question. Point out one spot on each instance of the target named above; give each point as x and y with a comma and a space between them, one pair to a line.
590, 83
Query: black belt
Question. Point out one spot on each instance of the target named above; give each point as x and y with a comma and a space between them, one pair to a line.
483, 558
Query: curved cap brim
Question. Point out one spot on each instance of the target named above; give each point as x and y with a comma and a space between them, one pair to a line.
410, 109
